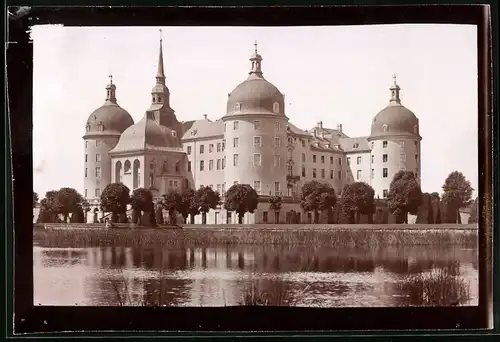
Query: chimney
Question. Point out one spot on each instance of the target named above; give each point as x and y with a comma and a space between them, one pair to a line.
320, 124
205, 116
339, 128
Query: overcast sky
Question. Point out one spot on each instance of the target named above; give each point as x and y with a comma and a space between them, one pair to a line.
338, 75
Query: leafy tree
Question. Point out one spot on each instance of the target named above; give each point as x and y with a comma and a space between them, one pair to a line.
275, 204
35, 199
316, 197
474, 212
457, 193
436, 208
78, 216
189, 204
68, 200
141, 201
241, 198
358, 199
171, 203
114, 199
208, 199
425, 211
405, 196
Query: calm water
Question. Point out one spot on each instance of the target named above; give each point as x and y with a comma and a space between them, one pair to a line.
324, 277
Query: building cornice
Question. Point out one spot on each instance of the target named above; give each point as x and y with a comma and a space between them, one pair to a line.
142, 152
394, 136
91, 135
235, 116
211, 137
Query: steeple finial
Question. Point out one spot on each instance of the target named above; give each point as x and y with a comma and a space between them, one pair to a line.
111, 91
256, 60
395, 91
160, 75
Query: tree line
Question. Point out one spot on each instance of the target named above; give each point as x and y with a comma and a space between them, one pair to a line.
320, 199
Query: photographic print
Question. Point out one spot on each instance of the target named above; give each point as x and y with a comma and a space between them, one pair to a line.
308, 166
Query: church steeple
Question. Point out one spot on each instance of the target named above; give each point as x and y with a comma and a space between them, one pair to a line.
111, 91
256, 60
395, 91
160, 93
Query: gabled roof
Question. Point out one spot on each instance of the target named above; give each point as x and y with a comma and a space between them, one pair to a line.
202, 129
352, 145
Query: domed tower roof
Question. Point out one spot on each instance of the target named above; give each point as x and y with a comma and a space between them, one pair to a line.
395, 119
110, 118
147, 135
255, 95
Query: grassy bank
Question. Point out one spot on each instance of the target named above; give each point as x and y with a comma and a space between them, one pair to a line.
346, 237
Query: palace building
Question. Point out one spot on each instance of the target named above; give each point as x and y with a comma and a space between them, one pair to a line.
253, 143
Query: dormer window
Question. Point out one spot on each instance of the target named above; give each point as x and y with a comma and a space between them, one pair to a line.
276, 107
356, 145
174, 134
100, 127
159, 98
385, 127
237, 107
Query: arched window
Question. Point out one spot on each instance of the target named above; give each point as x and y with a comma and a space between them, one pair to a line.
127, 166
276, 107
159, 98
118, 172
174, 134
385, 127
237, 107
136, 174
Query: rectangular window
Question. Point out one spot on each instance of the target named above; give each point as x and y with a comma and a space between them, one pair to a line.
210, 165
416, 144
277, 161
176, 184
218, 147
314, 173
331, 174
189, 166
223, 189
331, 160
314, 158
86, 193
348, 161
385, 172
189, 148
358, 160
235, 125
403, 156
97, 172
303, 171
86, 157
257, 159
97, 143
276, 188
384, 158
322, 159
373, 173
384, 144
218, 188
236, 142
340, 174
322, 173
385, 193
373, 158
98, 157
402, 143
257, 142
256, 186
277, 126
303, 157
210, 148
97, 192
235, 160
256, 125
358, 174
223, 145
86, 172
202, 165
277, 142
202, 149
264, 216
218, 164
340, 161
223, 163
416, 158
303, 142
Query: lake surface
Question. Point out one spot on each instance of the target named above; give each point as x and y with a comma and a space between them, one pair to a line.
300, 276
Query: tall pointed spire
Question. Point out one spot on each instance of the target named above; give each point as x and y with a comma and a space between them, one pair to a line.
160, 75
395, 91
256, 60
111, 91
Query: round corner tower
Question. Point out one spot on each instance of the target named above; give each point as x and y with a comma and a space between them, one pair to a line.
102, 132
255, 133
395, 143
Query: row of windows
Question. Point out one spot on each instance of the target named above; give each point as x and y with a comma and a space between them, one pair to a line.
220, 164
385, 158
97, 143
220, 148
401, 143
97, 193
97, 157
221, 188
322, 173
322, 158
276, 107
257, 125
97, 172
